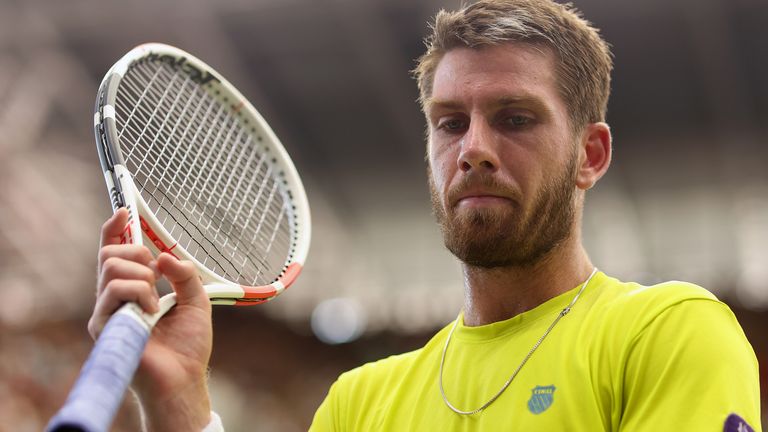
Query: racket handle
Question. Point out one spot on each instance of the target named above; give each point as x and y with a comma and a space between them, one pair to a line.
94, 400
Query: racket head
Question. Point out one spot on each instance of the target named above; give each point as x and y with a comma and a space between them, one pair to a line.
202, 174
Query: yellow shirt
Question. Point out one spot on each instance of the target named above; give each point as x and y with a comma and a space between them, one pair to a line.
669, 357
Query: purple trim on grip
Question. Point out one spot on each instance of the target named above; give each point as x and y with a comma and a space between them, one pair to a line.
98, 392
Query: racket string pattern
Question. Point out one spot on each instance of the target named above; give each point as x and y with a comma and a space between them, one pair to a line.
235, 219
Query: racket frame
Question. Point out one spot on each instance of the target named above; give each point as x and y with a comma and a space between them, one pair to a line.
96, 396
124, 193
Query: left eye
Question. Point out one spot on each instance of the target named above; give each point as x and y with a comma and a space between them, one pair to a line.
518, 120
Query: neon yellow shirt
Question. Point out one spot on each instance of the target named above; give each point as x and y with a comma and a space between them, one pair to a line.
670, 357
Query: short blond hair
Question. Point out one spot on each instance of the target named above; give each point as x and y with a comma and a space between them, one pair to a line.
583, 58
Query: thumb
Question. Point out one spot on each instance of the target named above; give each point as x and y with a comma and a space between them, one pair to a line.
184, 280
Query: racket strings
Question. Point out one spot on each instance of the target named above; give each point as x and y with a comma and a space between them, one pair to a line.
269, 217
251, 255
219, 128
216, 205
208, 203
199, 169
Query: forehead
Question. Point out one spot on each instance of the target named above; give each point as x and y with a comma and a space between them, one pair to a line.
502, 72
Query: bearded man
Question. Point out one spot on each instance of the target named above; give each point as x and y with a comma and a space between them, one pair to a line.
515, 94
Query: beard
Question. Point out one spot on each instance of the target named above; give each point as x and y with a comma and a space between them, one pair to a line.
507, 237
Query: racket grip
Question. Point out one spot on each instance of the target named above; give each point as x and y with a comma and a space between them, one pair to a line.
94, 400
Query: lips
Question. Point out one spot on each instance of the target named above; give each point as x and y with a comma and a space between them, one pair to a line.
481, 191
478, 196
481, 200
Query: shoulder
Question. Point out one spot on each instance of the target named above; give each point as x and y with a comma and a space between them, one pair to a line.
359, 394
617, 293
371, 375
623, 317
666, 321
388, 372
636, 305
378, 380
675, 342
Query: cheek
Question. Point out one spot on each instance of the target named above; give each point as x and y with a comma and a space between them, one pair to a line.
442, 167
524, 169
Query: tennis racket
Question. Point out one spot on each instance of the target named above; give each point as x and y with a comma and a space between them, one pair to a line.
204, 178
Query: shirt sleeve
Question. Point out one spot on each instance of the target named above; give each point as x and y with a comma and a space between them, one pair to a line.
689, 369
215, 425
327, 415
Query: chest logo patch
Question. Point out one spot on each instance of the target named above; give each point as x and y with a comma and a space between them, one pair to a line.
541, 398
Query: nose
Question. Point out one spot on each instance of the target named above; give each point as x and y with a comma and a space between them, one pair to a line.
478, 149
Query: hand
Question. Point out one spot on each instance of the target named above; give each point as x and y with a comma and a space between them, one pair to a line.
171, 379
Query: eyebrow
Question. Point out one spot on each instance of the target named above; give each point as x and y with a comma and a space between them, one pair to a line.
531, 101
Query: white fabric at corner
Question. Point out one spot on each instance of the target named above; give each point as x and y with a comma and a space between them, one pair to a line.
215, 424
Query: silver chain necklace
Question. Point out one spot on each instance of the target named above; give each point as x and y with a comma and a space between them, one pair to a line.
525, 360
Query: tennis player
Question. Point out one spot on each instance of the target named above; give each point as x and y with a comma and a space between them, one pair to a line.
515, 94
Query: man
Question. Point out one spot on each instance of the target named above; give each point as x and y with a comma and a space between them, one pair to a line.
515, 95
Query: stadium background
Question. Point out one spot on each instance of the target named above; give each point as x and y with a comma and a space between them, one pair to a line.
686, 198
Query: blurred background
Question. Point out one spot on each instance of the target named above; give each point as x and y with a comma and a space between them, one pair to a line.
686, 197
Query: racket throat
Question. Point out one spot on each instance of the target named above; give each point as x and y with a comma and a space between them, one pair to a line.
155, 239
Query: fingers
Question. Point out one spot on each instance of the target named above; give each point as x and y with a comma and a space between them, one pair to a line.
113, 228
115, 294
136, 253
115, 268
184, 280
127, 273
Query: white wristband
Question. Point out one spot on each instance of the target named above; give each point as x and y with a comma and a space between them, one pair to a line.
215, 424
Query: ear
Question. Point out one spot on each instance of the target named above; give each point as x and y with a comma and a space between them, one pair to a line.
594, 154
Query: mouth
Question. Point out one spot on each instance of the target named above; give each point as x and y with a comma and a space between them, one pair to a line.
481, 192
478, 200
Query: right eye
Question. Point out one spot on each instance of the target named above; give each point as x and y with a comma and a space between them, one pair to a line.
451, 125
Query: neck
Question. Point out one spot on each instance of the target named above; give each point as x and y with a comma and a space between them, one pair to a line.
497, 294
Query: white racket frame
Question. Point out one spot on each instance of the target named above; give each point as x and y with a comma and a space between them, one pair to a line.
219, 289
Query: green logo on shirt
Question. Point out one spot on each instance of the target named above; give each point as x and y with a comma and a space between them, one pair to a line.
541, 398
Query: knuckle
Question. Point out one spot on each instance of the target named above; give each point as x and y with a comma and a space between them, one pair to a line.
138, 253
110, 265
149, 276
143, 273
112, 287
145, 254
104, 253
144, 286
124, 290
119, 288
